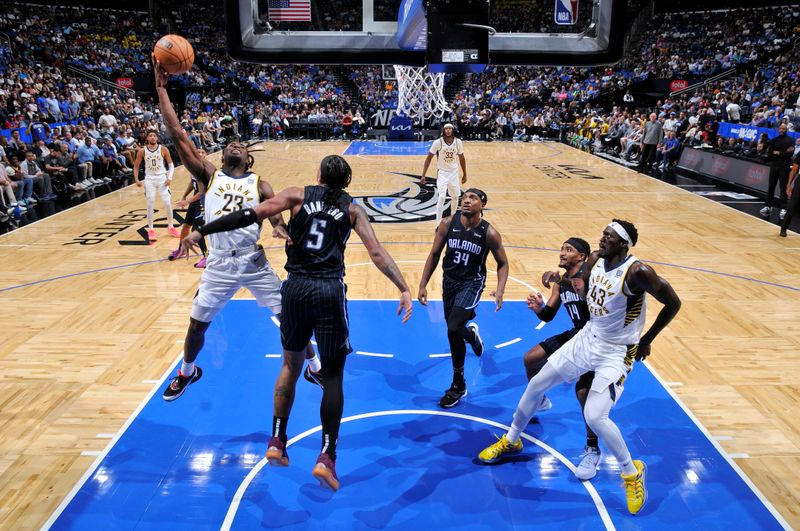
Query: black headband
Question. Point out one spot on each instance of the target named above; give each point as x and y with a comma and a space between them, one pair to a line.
579, 246
480, 193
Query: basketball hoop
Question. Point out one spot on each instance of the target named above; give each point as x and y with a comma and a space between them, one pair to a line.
420, 93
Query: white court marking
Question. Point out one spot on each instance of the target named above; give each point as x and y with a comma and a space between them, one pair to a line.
541, 325
237, 498
445, 355
374, 354
507, 343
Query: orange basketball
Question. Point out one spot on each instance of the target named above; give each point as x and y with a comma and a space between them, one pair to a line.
174, 53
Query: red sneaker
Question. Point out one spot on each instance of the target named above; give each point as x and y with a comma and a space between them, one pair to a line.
276, 452
325, 472
151, 235
172, 231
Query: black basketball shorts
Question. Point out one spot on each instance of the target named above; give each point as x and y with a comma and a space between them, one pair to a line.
464, 294
553, 343
318, 306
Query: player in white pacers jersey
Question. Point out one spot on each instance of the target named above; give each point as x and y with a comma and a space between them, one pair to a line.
608, 344
447, 149
235, 258
158, 170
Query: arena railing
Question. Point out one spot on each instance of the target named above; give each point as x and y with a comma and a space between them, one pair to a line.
106, 83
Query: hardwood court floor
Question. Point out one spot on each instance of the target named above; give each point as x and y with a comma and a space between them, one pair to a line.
80, 351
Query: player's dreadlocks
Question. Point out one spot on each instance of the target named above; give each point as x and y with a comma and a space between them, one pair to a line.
336, 174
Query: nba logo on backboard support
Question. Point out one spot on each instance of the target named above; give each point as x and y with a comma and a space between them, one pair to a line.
566, 12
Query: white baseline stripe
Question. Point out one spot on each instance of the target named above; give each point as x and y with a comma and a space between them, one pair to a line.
91, 453
719, 448
275, 320
101, 455
374, 354
439, 355
541, 325
598, 502
273, 355
507, 343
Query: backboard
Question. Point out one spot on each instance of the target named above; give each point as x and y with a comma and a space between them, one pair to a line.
528, 32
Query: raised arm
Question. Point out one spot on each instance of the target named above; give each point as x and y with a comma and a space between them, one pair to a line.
641, 277
197, 165
381, 258
499, 252
545, 311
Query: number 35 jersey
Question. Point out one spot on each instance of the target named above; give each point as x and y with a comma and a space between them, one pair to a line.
319, 233
615, 314
467, 249
226, 194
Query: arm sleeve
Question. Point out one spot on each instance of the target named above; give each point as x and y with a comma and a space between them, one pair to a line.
170, 170
234, 220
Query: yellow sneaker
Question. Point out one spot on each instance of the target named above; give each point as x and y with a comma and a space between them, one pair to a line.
502, 447
635, 490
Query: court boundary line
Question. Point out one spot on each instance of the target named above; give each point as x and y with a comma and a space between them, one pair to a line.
96, 463
707, 434
248, 479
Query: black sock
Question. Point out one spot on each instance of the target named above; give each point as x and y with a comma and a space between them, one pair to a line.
279, 427
329, 441
458, 377
591, 442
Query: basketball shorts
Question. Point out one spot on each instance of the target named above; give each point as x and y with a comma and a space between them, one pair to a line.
464, 294
449, 181
315, 306
155, 186
228, 271
194, 213
553, 343
587, 352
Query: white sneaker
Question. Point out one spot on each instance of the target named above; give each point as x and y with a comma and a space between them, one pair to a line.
107, 180
782, 214
544, 404
587, 468
765, 211
96, 181
86, 183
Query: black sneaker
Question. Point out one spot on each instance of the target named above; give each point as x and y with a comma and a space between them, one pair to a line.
179, 384
313, 377
453, 396
783, 233
477, 342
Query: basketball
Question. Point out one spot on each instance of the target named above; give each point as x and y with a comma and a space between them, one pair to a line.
174, 53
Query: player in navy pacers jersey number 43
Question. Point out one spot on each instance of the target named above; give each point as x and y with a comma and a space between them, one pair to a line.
469, 239
314, 295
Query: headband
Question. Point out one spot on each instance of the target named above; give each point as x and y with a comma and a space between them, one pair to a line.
479, 193
621, 232
579, 246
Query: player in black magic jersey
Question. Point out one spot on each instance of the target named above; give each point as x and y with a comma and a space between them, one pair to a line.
314, 296
569, 291
469, 238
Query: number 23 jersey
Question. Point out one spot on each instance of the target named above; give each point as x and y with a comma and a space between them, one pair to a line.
226, 194
319, 235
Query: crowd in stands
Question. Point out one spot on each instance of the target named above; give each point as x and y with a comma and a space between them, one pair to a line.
46, 102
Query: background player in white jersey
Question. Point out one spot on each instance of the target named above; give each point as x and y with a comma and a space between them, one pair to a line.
158, 170
607, 345
447, 148
235, 259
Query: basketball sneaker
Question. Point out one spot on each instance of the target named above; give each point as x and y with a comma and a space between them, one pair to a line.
313, 377
635, 490
587, 468
179, 384
495, 452
477, 342
172, 231
173, 255
325, 472
276, 452
151, 235
544, 404
453, 396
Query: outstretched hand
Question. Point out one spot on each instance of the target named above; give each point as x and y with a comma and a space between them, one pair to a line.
405, 306
535, 301
189, 244
161, 75
550, 276
642, 351
498, 298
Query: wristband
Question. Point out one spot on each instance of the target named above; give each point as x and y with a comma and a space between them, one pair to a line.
546, 314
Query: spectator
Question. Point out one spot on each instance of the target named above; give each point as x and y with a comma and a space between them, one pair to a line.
31, 170
652, 135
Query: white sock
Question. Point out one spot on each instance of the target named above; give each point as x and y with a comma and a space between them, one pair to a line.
628, 468
314, 364
187, 369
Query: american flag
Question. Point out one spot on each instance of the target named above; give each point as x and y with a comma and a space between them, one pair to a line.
297, 10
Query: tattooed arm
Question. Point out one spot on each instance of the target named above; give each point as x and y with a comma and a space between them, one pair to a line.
381, 258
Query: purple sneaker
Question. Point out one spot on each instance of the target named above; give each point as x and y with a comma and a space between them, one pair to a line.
276, 453
173, 255
325, 472
201, 264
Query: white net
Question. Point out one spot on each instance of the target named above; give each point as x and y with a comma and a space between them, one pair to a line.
421, 94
